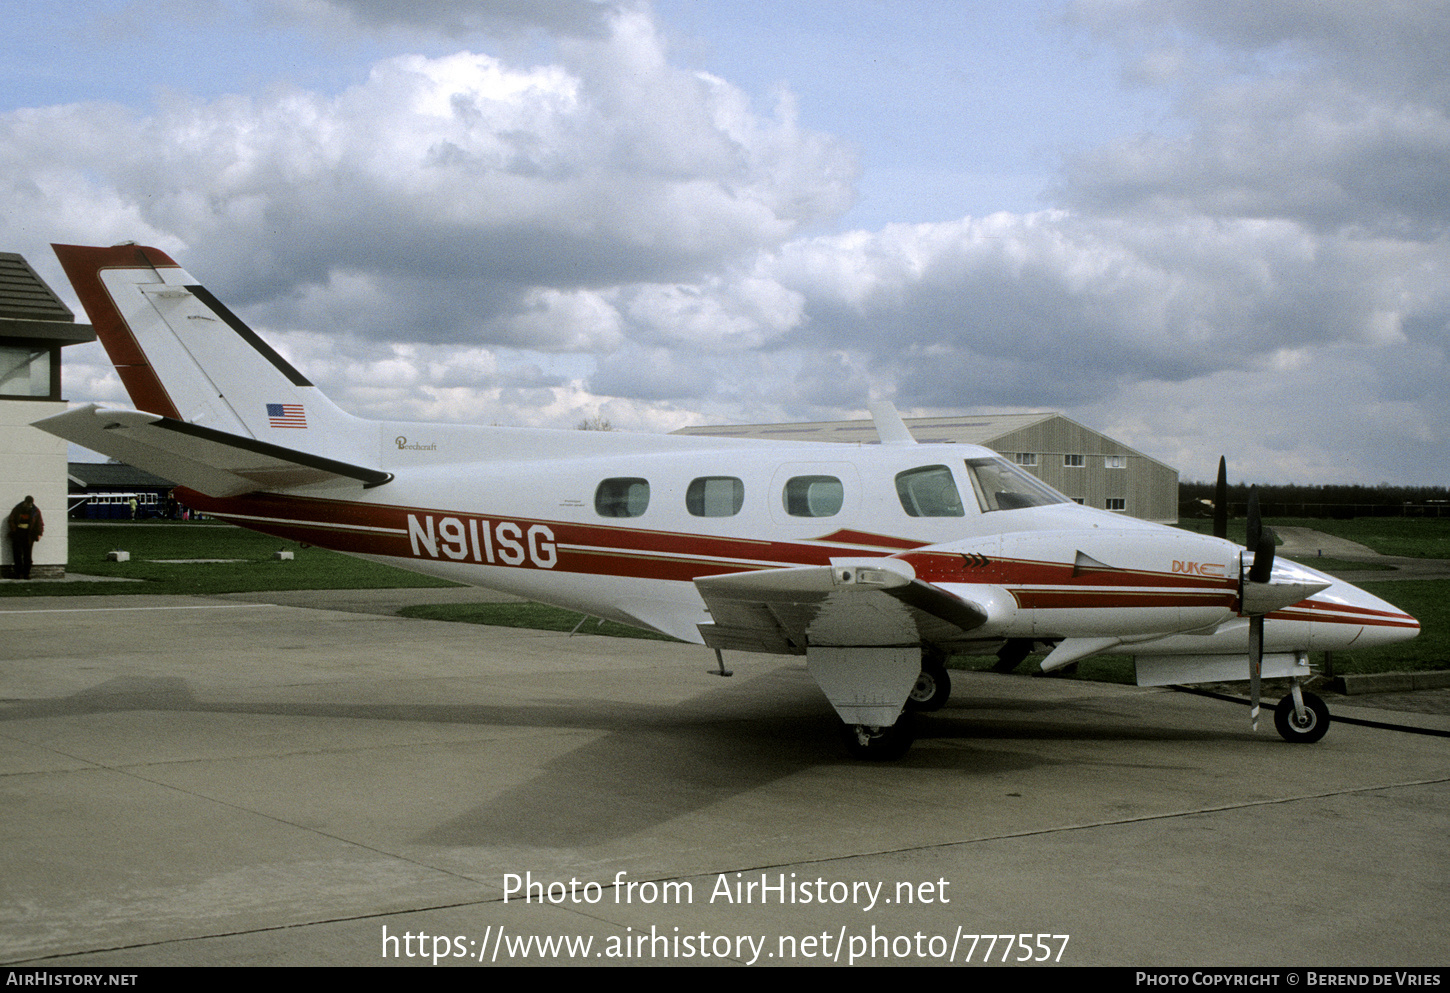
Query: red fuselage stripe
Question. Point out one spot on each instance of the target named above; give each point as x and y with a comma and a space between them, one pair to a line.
606, 550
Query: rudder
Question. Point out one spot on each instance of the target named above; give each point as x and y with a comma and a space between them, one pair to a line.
183, 354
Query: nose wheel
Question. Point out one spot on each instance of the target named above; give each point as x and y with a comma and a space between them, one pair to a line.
1304, 727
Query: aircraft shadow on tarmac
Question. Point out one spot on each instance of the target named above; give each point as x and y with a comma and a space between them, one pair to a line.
655, 763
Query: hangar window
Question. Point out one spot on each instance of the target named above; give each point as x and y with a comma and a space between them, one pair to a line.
929, 492
1073, 461
1000, 485
1115, 461
624, 497
813, 496
715, 496
1117, 503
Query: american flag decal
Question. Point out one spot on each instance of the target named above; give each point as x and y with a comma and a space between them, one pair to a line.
286, 415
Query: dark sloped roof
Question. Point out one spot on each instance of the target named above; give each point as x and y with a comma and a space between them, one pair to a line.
116, 476
30, 309
24, 295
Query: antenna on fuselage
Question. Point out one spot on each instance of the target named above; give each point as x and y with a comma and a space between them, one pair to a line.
890, 428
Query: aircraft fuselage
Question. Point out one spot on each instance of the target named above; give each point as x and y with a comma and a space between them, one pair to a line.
555, 524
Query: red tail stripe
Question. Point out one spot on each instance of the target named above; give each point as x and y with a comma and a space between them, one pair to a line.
83, 267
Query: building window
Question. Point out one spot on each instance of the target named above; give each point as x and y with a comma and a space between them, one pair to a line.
813, 496
1077, 500
929, 492
1115, 461
1117, 503
1073, 461
25, 372
715, 496
622, 497
1025, 458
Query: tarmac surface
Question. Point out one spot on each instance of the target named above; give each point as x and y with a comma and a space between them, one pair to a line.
315, 781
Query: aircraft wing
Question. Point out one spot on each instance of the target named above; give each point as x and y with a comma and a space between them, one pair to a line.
851, 602
213, 462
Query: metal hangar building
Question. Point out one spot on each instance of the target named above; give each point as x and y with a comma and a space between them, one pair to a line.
1087, 465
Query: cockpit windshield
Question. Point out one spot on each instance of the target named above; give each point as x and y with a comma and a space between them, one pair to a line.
1000, 485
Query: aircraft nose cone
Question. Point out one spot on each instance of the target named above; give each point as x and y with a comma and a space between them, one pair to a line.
1379, 622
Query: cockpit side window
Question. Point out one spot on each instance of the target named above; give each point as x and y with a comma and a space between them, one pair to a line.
929, 492
622, 497
1000, 485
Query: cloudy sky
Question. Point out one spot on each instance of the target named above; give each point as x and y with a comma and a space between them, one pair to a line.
1200, 227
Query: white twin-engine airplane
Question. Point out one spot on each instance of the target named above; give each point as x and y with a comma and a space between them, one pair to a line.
875, 562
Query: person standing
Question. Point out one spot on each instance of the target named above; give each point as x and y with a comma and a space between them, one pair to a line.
26, 526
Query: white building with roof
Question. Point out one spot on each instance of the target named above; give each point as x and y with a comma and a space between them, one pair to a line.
34, 326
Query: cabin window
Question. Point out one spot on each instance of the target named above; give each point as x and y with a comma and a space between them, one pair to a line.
1000, 485
813, 496
715, 496
623, 497
929, 492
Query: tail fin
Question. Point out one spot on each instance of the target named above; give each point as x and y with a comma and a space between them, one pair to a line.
182, 354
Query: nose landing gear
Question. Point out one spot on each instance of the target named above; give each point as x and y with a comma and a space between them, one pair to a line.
1301, 718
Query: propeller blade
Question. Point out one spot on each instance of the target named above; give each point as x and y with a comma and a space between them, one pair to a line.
1263, 566
1256, 523
1261, 541
1256, 665
1220, 501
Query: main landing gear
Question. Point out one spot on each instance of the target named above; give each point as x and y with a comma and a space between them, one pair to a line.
933, 687
930, 692
1304, 723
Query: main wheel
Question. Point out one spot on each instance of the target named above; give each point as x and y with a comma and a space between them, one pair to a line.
1308, 730
933, 687
877, 743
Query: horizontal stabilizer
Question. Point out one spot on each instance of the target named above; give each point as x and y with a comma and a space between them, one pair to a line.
213, 462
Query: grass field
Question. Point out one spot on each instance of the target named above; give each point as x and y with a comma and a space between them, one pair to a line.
1408, 537
252, 567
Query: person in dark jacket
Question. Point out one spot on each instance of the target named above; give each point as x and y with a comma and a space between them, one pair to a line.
26, 526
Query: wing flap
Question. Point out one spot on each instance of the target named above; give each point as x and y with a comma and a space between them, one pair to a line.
851, 602
213, 462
